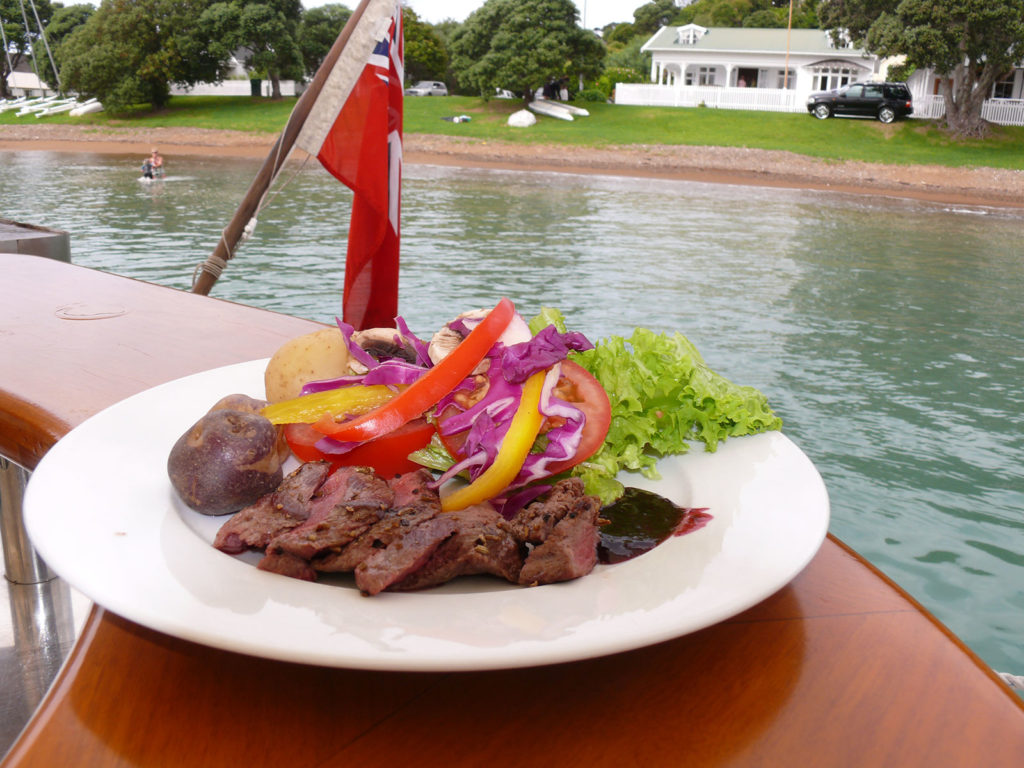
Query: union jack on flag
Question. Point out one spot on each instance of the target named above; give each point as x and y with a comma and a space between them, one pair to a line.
355, 130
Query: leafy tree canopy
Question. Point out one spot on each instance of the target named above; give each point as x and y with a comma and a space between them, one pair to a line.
750, 13
64, 22
426, 57
521, 44
318, 30
970, 43
20, 38
267, 33
652, 16
131, 51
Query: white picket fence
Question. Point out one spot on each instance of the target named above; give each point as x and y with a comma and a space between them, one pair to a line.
1002, 111
717, 97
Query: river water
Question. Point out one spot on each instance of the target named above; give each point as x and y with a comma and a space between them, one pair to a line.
887, 333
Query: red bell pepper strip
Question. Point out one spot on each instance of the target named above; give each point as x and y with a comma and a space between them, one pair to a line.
426, 391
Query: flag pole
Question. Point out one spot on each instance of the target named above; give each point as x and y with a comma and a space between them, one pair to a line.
208, 272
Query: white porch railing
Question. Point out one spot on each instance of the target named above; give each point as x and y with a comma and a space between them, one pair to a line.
1002, 111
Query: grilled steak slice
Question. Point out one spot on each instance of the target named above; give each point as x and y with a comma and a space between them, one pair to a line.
356, 500
276, 512
533, 524
570, 550
403, 556
415, 502
414, 489
481, 544
287, 564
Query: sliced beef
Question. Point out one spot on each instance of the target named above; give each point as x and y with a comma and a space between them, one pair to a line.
415, 502
403, 556
533, 524
287, 564
356, 500
274, 513
480, 544
570, 550
415, 489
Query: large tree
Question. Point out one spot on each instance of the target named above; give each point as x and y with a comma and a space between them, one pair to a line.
264, 33
318, 30
426, 57
131, 51
22, 40
970, 44
64, 22
521, 44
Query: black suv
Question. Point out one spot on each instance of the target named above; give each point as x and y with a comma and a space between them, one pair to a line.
886, 101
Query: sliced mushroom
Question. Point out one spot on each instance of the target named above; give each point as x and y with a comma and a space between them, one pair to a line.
447, 339
381, 344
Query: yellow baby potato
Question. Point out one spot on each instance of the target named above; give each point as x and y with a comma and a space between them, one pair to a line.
312, 357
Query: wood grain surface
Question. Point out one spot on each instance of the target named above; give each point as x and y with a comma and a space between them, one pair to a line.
839, 668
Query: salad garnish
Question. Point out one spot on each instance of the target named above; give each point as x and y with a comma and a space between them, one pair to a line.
510, 406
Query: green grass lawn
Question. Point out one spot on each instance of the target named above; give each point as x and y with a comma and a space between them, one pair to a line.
904, 142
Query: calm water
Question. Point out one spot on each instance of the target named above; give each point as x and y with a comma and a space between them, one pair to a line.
888, 334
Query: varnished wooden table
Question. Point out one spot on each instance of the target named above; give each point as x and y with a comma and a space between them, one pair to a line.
839, 668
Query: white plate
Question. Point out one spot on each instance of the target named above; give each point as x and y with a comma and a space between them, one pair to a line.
102, 513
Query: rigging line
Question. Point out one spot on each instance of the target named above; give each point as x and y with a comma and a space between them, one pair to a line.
46, 45
35, 67
7, 50
215, 265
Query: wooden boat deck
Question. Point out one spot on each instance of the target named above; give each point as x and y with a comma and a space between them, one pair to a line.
839, 668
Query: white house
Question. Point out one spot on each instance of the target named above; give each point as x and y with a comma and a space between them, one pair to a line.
803, 60
776, 69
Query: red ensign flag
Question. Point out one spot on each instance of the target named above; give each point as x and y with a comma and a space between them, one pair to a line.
355, 130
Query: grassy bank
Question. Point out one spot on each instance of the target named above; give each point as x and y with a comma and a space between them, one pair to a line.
905, 142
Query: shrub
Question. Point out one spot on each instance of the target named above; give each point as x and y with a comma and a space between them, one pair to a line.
591, 94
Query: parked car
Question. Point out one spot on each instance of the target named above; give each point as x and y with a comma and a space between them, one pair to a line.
427, 88
885, 101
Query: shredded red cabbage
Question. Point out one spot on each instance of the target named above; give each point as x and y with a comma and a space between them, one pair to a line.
520, 361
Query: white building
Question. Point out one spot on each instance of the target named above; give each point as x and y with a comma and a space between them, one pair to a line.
803, 60
776, 69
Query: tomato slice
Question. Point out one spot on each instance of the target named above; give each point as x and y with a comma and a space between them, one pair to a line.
576, 386
586, 393
388, 454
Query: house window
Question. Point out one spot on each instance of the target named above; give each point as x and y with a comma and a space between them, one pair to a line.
786, 81
706, 76
1004, 88
827, 78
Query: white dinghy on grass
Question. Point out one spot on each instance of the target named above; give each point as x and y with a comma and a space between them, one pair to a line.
550, 109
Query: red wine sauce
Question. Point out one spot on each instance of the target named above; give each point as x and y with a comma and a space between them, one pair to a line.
640, 520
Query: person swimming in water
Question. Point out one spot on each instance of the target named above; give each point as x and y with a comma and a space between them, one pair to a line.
157, 161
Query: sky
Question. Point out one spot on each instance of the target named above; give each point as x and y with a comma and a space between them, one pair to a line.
593, 13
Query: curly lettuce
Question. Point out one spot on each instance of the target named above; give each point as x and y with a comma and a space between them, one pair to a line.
663, 398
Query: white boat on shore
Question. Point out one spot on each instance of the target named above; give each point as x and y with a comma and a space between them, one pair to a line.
550, 109
86, 108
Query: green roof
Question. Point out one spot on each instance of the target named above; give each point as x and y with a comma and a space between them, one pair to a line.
749, 39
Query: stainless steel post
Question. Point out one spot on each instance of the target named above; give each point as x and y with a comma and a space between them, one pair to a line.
21, 563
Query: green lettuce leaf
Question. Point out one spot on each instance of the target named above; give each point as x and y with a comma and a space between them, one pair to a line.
663, 398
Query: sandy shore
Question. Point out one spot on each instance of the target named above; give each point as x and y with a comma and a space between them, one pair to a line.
968, 186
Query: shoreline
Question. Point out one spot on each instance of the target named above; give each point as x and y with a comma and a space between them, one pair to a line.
987, 187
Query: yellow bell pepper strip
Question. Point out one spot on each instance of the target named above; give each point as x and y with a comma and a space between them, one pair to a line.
428, 390
512, 452
345, 401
